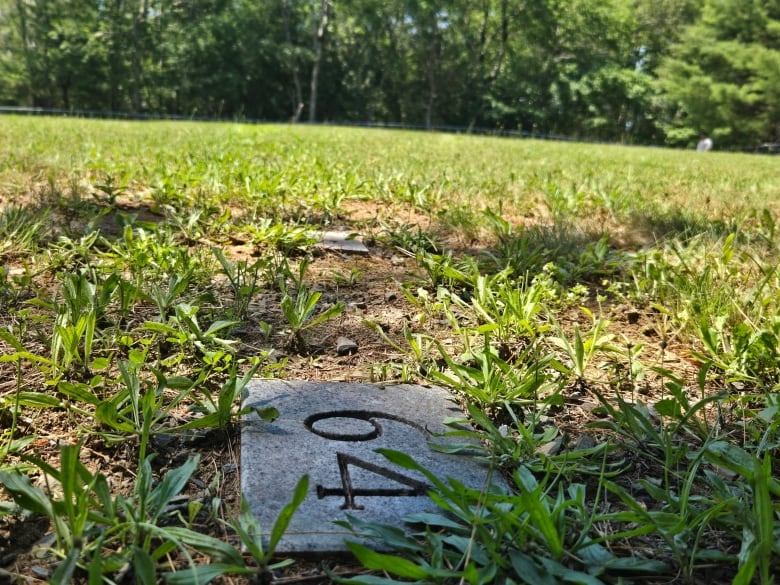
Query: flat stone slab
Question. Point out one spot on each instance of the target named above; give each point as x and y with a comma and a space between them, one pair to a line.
342, 242
330, 431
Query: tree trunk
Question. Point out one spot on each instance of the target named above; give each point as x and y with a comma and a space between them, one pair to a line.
20, 8
297, 98
490, 78
319, 41
431, 98
65, 89
139, 26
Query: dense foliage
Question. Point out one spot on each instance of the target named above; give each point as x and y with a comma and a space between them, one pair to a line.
647, 71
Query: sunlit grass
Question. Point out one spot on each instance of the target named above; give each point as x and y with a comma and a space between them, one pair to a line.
439, 170
546, 276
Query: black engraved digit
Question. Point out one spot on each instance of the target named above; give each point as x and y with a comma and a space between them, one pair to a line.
415, 487
346, 482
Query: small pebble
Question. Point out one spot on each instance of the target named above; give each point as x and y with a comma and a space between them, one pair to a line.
390, 296
40, 572
584, 442
229, 468
42, 548
345, 346
551, 448
163, 441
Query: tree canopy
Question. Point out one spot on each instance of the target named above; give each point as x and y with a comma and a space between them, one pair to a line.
723, 74
644, 71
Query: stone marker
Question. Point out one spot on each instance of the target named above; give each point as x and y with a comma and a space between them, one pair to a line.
342, 242
330, 431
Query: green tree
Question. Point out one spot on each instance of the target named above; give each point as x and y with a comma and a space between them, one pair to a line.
54, 44
723, 76
14, 85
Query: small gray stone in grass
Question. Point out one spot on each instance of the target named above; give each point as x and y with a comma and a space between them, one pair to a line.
551, 448
342, 242
42, 547
40, 572
584, 442
345, 346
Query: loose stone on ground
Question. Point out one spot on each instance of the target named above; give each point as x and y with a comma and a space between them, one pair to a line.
345, 346
331, 431
342, 242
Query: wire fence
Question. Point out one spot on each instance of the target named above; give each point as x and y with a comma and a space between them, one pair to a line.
764, 148
21, 110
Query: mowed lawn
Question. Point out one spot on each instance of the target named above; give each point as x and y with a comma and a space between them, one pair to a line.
241, 162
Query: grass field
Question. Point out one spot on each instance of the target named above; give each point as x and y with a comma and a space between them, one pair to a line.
606, 316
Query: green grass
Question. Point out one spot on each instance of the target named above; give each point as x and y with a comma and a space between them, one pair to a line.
239, 161
607, 314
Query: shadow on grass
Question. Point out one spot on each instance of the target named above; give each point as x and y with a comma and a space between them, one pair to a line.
681, 224
589, 250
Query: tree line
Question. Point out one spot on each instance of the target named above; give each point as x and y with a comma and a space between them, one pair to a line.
640, 71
